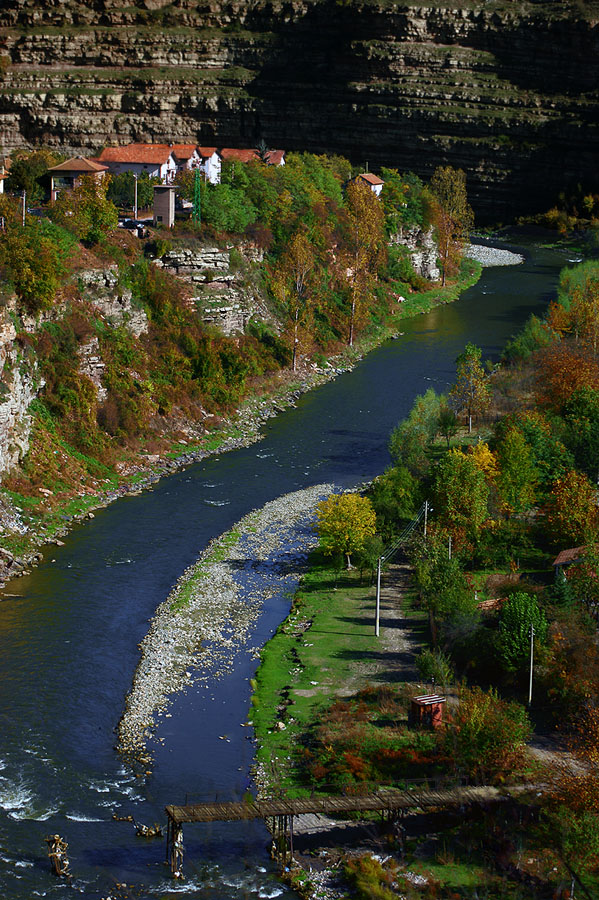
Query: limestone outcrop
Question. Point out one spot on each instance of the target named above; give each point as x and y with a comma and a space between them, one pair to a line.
223, 295
19, 384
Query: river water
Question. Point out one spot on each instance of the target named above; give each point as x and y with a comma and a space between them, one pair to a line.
70, 630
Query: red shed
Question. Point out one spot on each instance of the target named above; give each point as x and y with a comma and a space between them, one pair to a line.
427, 710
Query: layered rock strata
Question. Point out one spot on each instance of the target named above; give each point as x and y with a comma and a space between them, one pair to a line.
506, 90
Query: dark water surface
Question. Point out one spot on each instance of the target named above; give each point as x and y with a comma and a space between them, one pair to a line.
69, 639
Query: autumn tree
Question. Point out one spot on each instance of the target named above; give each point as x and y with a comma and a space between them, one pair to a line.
460, 495
364, 247
471, 389
27, 170
86, 210
32, 263
343, 523
571, 514
562, 369
452, 215
290, 286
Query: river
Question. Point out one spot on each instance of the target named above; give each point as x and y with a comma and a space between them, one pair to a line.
70, 630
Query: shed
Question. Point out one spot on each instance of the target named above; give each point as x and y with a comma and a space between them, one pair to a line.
427, 710
565, 558
164, 205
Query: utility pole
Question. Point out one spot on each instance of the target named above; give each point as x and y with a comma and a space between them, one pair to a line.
425, 516
196, 213
135, 196
378, 597
449, 548
24, 206
532, 643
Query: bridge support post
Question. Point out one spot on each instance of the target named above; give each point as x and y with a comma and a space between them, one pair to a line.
174, 848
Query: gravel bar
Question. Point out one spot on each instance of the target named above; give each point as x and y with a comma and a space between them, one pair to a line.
210, 614
492, 256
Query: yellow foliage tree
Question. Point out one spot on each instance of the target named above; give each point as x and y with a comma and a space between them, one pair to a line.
343, 523
485, 460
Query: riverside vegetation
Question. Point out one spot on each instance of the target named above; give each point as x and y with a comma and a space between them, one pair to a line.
508, 459
121, 387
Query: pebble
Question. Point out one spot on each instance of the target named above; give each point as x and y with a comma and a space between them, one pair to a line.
492, 256
225, 589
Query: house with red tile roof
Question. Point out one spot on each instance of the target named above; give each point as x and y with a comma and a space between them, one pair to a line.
66, 175
186, 156
372, 181
157, 160
272, 157
210, 163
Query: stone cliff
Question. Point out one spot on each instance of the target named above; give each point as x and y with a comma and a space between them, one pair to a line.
507, 90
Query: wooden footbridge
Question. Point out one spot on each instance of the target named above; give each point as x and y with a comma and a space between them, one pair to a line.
281, 812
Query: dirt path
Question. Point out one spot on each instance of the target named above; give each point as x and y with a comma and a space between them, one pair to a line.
400, 638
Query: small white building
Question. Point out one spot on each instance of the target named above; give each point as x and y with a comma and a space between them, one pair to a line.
186, 156
156, 160
372, 181
210, 164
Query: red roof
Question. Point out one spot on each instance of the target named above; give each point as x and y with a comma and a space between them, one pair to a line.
206, 152
137, 153
79, 164
568, 556
370, 178
183, 151
275, 157
241, 155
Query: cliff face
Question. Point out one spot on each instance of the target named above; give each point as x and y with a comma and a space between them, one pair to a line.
506, 90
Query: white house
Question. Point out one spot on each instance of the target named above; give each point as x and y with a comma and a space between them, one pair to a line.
157, 160
372, 181
186, 156
210, 163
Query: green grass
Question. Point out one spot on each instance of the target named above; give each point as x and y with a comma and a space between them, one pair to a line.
340, 609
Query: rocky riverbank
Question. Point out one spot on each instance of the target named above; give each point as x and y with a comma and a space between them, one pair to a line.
209, 615
492, 256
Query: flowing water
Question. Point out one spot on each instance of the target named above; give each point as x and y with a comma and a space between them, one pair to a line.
69, 633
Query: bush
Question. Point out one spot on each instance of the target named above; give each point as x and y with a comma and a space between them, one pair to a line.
486, 736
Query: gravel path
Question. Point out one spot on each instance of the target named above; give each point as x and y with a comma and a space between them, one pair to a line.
493, 256
210, 613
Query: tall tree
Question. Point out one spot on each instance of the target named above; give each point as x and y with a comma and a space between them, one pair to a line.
364, 246
518, 477
290, 285
471, 390
452, 215
461, 495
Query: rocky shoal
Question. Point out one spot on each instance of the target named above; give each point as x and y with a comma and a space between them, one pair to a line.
492, 256
210, 614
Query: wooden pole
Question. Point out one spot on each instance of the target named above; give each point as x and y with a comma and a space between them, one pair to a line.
378, 598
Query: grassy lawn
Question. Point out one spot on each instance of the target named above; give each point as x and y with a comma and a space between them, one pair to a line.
326, 648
